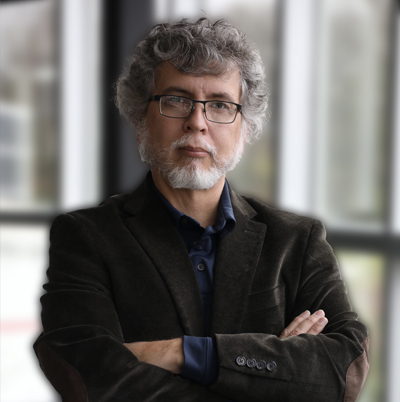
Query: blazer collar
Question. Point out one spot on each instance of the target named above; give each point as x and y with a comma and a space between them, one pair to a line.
237, 258
153, 229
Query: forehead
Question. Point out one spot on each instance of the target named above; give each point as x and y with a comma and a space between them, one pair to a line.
171, 81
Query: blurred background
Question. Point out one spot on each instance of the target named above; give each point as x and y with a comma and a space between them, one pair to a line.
331, 149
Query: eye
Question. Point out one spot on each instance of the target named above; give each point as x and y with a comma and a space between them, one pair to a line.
219, 105
173, 100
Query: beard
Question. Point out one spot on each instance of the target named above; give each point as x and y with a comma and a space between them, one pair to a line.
192, 175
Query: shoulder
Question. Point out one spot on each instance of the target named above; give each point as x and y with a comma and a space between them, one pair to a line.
290, 231
111, 211
111, 207
283, 228
274, 218
94, 220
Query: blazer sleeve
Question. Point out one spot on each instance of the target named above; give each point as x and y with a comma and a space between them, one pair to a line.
81, 348
328, 367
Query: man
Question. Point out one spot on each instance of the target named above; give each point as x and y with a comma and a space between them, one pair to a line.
183, 290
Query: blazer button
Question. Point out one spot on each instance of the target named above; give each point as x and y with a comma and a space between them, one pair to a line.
251, 363
201, 267
261, 365
271, 366
241, 361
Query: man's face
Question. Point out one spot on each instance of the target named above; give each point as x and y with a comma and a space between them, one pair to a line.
193, 152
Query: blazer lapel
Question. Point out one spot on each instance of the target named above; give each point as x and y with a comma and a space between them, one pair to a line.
237, 258
151, 226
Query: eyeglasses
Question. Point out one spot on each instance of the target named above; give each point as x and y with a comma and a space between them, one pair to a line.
180, 107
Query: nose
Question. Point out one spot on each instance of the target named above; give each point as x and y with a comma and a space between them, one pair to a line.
196, 121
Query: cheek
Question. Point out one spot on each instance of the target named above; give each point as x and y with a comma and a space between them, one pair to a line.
161, 129
232, 140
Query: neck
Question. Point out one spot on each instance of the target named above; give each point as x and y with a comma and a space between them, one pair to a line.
201, 205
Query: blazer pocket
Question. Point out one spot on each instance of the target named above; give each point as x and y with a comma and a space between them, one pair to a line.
266, 299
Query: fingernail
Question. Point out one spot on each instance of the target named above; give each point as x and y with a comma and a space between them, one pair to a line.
320, 313
322, 321
305, 314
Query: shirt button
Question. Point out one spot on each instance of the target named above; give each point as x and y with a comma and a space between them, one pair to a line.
201, 267
271, 366
251, 363
184, 221
261, 365
241, 361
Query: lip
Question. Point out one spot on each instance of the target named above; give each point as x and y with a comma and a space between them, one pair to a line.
194, 152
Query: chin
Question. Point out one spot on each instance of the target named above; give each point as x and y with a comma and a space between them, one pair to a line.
190, 174
193, 177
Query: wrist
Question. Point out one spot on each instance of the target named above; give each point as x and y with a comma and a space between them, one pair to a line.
177, 355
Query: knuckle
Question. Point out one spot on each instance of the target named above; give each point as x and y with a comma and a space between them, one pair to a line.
295, 332
298, 320
312, 319
285, 333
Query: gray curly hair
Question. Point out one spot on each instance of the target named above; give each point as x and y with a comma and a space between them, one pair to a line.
199, 49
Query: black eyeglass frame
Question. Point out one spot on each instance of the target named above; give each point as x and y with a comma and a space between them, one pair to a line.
158, 98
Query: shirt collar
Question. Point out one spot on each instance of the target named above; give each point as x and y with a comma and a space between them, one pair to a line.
225, 221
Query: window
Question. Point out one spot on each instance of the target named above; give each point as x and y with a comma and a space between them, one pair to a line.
331, 148
50, 142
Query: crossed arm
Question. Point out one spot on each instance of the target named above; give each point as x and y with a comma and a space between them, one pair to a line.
80, 319
168, 354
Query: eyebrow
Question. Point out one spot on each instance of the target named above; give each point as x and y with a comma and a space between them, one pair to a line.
214, 95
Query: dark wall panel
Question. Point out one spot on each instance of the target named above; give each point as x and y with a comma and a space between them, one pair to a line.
126, 22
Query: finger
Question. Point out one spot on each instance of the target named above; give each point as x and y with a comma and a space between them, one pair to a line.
294, 324
318, 327
307, 324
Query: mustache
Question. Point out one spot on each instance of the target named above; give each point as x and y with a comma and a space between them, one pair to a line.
197, 142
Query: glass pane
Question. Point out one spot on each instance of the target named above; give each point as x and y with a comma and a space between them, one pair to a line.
393, 324
351, 112
28, 105
395, 201
23, 259
364, 274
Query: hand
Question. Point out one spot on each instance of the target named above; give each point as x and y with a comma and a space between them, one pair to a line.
306, 323
165, 354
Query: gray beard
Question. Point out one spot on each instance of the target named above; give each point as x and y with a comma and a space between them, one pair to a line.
192, 176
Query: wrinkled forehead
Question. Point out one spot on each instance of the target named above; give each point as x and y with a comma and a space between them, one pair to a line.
228, 73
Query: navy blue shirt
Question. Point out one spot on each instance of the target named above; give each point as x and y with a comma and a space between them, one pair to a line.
201, 243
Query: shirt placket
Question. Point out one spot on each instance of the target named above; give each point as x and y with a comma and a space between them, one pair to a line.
201, 255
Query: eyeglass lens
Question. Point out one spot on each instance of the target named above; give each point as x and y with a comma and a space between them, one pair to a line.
180, 107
